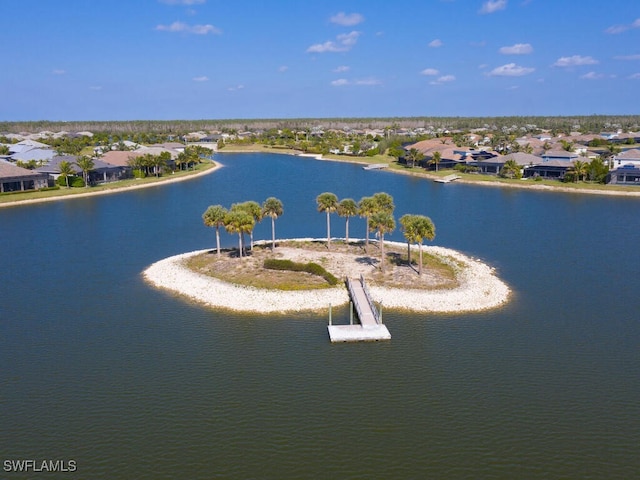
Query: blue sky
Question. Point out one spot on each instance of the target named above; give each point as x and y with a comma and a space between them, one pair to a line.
221, 59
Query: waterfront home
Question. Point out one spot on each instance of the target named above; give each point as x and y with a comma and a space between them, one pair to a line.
16, 179
100, 173
559, 155
624, 175
628, 157
494, 164
555, 169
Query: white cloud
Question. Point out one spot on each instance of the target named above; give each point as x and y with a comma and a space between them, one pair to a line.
341, 68
517, 49
615, 29
430, 72
177, 27
343, 44
592, 76
574, 61
627, 57
366, 82
510, 70
443, 79
347, 20
635, 76
183, 2
237, 87
58, 71
283, 68
201, 79
493, 6
435, 43
95, 88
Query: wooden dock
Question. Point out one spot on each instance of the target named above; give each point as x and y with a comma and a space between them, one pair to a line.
375, 166
370, 328
447, 179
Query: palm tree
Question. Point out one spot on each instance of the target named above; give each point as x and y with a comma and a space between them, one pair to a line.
240, 222
414, 155
85, 164
366, 208
181, 160
158, 161
272, 207
435, 159
328, 203
214, 217
407, 223
384, 202
255, 210
347, 208
510, 169
66, 170
579, 170
423, 228
383, 222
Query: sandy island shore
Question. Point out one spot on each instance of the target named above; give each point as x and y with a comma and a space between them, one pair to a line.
478, 288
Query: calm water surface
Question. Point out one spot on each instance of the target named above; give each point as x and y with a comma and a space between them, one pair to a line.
131, 382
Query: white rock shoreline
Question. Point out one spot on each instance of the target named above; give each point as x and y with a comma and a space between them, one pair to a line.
479, 289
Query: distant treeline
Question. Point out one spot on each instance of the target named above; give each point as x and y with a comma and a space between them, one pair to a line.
584, 124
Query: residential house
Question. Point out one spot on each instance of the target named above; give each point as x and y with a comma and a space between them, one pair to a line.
559, 155
628, 157
494, 164
555, 169
52, 169
40, 155
624, 175
16, 179
26, 145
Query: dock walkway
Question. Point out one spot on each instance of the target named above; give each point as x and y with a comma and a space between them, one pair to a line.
371, 327
447, 179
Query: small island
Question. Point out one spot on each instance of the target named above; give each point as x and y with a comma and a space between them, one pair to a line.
306, 274
457, 283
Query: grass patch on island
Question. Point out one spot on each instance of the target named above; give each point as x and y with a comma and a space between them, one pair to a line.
309, 265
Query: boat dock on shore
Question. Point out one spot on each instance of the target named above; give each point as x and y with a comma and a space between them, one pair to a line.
375, 166
370, 328
447, 179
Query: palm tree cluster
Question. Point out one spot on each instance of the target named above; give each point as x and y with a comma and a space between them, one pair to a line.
241, 219
148, 163
416, 228
377, 210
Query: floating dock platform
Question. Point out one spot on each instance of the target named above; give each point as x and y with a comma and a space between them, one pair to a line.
375, 166
371, 328
447, 179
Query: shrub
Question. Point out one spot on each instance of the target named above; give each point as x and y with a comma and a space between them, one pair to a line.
77, 182
312, 268
73, 181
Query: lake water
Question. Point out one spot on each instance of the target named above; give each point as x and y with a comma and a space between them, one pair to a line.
130, 382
